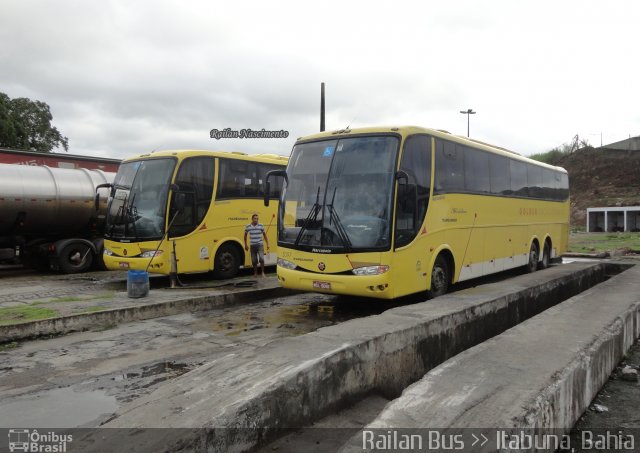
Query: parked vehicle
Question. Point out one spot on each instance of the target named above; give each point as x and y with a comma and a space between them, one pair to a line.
48, 218
180, 212
385, 212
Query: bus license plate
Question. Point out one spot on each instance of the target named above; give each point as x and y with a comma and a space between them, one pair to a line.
321, 285
124, 265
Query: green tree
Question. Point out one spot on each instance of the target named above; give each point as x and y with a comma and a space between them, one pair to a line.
26, 124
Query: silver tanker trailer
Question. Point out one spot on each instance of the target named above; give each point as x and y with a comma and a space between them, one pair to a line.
48, 216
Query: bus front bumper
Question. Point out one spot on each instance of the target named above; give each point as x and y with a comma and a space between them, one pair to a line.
123, 263
377, 286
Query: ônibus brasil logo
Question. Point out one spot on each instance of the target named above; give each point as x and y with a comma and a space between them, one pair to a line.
30, 440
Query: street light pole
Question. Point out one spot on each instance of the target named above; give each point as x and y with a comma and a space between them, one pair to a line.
468, 112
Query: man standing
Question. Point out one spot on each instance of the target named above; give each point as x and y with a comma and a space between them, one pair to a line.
256, 232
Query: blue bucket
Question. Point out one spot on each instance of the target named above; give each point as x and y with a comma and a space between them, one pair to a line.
137, 284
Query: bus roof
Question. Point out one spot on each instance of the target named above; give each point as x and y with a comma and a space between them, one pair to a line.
182, 153
438, 133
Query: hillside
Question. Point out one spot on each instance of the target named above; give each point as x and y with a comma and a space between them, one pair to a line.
601, 177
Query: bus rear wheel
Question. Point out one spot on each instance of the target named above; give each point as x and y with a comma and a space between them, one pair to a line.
227, 262
440, 278
546, 256
532, 264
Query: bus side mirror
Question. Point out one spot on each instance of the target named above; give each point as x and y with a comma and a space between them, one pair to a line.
407, 192
105, 185
267, 183
267, 192
180, 200
410, 197
96, 201
401, 174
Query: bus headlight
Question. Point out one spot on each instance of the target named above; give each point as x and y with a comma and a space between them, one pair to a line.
107, 252
370, 270
151, 253
286, 264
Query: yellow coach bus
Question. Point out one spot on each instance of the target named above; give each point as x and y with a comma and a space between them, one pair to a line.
385, 212
193, 203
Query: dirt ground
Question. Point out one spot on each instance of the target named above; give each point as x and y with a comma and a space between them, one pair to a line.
620, 406
599, 177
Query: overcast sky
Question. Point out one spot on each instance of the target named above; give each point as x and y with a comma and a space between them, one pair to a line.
125, 77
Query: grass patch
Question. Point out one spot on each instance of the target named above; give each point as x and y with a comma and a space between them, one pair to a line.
603, 242
15, 315
8, 346
56, 300
93, 309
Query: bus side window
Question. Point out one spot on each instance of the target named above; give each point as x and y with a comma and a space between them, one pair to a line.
449, 167
518, 172
413, 198
500, 175
476, 171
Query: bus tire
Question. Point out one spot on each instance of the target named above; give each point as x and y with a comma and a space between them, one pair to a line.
440, 278
75, 258
546, 256
227, 262
532, 264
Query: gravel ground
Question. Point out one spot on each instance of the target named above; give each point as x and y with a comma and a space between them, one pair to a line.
616, 408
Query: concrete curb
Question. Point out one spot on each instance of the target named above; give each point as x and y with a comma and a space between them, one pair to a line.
600, 255
503, 384
111, 317
296, 381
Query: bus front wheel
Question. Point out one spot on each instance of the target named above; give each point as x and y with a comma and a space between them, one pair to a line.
532, 264
227, 262
439, 278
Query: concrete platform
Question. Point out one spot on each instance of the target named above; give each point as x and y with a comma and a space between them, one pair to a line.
540, 374
99, 300
293, 382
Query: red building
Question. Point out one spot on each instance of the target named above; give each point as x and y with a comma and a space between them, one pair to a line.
58, 160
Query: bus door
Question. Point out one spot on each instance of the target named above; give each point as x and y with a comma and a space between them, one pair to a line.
189, 230
410, 261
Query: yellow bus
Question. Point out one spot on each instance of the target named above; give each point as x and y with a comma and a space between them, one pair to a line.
193, 203
389, 211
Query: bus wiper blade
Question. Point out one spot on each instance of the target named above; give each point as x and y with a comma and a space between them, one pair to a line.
132, 214
342, 233
311, 217
120, 214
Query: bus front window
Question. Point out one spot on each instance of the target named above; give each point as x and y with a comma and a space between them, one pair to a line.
339, 194
137, 208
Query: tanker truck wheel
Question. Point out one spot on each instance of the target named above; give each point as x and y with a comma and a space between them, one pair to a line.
75, 258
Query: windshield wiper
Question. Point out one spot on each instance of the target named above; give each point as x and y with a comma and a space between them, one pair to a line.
119, 215
132, 213
311, 217
333, 215
126, 214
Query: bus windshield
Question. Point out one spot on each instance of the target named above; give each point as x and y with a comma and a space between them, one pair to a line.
338, 196
137, 209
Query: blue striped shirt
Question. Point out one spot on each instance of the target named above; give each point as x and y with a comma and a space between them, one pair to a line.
255, 233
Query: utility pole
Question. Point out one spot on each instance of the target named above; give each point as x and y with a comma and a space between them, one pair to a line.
468, 112
322, 107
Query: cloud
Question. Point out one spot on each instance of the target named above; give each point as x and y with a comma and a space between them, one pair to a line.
125, 77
